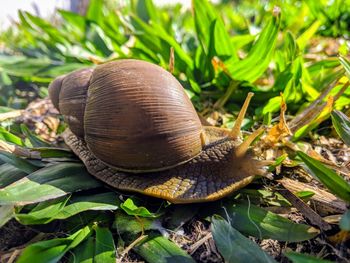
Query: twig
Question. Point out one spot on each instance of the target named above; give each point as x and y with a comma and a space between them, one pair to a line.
323, 200
128, 248
310, 214
14, 255
10, 114
18, 150
314, 109
200, 242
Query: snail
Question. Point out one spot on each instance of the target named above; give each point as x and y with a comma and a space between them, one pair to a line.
134, 128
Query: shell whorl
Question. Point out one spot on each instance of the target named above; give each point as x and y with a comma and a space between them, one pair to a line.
55, 89
68, 94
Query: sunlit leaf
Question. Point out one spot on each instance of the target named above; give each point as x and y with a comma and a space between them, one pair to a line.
258, 58
346, 65
95, 11
65, 208
131, 209
9, 137
305, 37
335, 183
131, 224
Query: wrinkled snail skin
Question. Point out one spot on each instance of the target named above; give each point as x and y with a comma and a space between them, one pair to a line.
135, 129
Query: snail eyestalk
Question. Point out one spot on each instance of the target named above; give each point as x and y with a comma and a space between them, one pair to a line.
236, 130
243, 147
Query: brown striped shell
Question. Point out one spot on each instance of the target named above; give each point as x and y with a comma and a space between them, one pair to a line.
133, 115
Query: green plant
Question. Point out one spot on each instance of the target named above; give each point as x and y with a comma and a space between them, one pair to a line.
219, 53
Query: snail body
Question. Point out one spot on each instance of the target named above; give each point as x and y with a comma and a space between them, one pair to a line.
134, 127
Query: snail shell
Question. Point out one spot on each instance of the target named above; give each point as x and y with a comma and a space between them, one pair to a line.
133, 115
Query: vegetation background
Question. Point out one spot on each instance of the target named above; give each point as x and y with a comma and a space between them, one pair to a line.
292, 54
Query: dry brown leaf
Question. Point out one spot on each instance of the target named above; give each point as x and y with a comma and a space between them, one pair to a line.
280, 130
340, 237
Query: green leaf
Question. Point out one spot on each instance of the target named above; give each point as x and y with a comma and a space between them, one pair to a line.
105, 251
6, 213
259, 57
25, 68
341, 124
235, 247
10, 174
302, 258
9, 137
45, 27
46, 212
20, 163
48, 183
131, 209
346, 65
305, 195
73, 19
305, 37
258, 222
345, 221
52, 152
147, 11
53, 250
84, 252
95, 11
34, 139
335, 183
97, 41
211, 31
158, 249
161, 41
130, 224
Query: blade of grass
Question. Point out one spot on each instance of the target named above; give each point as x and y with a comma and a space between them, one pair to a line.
341, 123
335, 183
258, 58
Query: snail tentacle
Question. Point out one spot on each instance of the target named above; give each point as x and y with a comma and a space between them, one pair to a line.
236, 130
